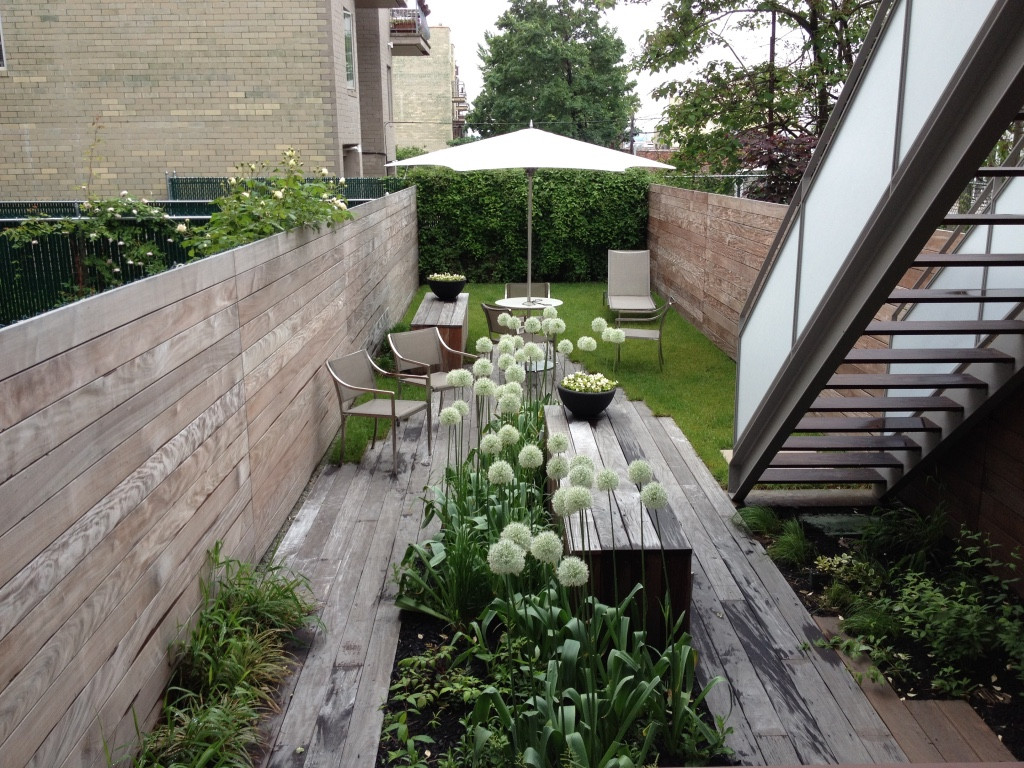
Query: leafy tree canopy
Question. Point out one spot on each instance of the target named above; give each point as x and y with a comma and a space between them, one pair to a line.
554, 63
734, 115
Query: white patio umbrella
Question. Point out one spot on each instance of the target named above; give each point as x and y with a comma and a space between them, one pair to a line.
531, 148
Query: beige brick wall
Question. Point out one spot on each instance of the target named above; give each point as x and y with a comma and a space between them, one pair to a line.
114, 97
423, 94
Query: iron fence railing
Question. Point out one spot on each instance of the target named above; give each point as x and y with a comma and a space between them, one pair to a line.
357, 190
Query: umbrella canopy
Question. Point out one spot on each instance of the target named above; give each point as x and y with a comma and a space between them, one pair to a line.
531, 148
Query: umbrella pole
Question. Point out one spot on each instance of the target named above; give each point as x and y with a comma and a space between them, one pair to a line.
529, 235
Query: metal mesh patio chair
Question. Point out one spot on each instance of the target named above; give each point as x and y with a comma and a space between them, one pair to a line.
539, 290
356, 374
629, 285
656, 318
423, 352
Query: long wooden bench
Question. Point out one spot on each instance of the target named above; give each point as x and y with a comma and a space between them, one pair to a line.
451, 318
623, 542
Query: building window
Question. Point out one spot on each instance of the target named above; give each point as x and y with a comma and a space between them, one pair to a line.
3, 59
350, 54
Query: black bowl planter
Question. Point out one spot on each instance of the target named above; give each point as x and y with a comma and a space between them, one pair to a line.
586, 405
446, 290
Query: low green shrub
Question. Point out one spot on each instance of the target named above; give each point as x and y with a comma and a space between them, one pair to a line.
792, 546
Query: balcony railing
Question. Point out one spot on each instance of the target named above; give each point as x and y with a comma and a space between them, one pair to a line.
410, 33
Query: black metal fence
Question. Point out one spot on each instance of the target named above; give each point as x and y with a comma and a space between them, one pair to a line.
357, 190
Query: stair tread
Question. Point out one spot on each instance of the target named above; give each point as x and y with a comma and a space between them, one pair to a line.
940, 295
969, 259
849, 443
937, 355
854, 404
866, 424
944, 326
809, 459
905, 380
963, 219
821, 475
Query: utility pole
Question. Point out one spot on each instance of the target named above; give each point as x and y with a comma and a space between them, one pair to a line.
632, 133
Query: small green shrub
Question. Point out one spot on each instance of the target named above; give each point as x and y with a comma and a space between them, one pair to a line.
760, 521
792, 546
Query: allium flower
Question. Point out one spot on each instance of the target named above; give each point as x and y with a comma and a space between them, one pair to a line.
558, 502
483, 367
581, 476
582, 460
520, 356
572, 572
505, 359
554, 326
490, 444
598, 325
509, 404
586, 343
516, 373
484, 387
654, 496
550, 312
565, 347
506, 345
639, 472
501, 473
614, 335
518, 342
504, 319
508, 435
532, 324
506, 557
558, 442
484, 345
607, 480
530, 457
462, 407
459, 377
533, 352
512, 388
577, 498
449, 417
558, 467
519, 533
546, 547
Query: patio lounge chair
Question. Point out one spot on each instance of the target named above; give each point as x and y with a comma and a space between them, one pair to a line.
355, 374
648, 334
629, 284
422, 352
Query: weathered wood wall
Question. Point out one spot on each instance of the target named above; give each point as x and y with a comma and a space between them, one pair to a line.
139, 427
706, 251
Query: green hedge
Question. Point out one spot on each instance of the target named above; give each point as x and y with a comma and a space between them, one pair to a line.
475, 223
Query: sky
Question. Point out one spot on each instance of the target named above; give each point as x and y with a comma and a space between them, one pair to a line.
469, 19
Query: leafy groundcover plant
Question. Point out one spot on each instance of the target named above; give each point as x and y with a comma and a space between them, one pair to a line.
528, 668
227, 672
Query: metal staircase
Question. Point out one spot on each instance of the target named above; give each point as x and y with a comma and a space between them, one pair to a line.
892, 354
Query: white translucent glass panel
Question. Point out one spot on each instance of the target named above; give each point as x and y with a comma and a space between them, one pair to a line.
767, 336
853, 176
935, 48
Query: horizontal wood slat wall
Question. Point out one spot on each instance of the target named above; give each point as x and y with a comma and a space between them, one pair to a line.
139, 427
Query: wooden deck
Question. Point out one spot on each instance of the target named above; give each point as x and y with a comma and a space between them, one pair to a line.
787, 701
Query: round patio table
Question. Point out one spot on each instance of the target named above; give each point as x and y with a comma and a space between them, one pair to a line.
521, 302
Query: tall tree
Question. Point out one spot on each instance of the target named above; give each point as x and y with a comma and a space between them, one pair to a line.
735, 115
556, 64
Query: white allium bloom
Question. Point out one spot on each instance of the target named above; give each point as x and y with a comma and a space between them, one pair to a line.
554, 326
607, 480
490, 444
616, 335
546, 547
550, 312
558, 467
558, 502
586, 343
484, 387
639, 472
565, 347
462, 407
513, 388
520, 355
577, 498
505, 360
558, 442
532, 324
505, 557
598, 325
509, 404
459, 377
506, 345
484, 345
504, 319
530, 457
582, 460
606, 334
581, 476
654, 496
449, 417
516, 373
508, 435
572, 572
483, 367
501, 473
533, 352
519, 533
518, 341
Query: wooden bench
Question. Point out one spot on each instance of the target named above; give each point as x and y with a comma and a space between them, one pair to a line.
623, 542
451, 318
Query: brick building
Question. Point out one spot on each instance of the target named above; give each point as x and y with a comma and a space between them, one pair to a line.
429, 99
116, 99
